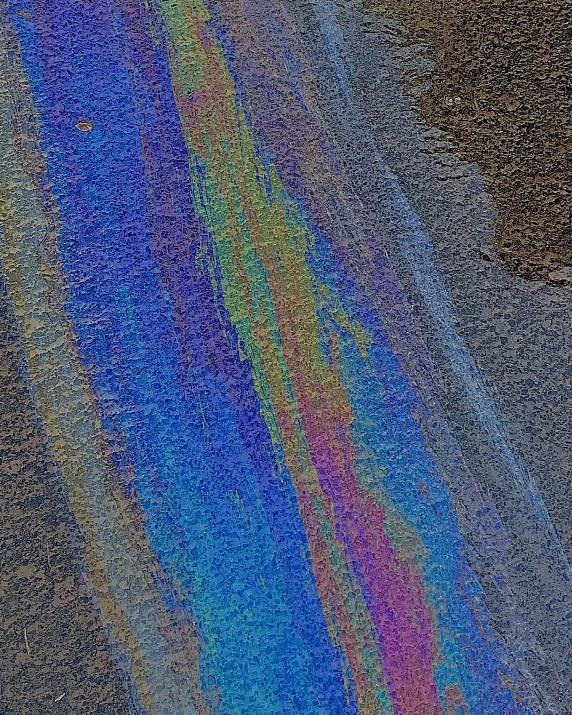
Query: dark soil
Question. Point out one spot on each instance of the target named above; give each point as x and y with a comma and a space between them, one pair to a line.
52, 641
502, 90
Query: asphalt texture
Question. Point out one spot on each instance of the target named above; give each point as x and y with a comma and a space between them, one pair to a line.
498, 84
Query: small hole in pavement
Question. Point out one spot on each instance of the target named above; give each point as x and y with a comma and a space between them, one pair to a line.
84, 125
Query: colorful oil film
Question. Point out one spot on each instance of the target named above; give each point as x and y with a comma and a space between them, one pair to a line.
277, 516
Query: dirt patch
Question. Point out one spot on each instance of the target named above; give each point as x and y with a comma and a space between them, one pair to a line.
54, 652
501, 90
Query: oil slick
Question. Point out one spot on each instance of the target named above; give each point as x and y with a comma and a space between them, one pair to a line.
268, 527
